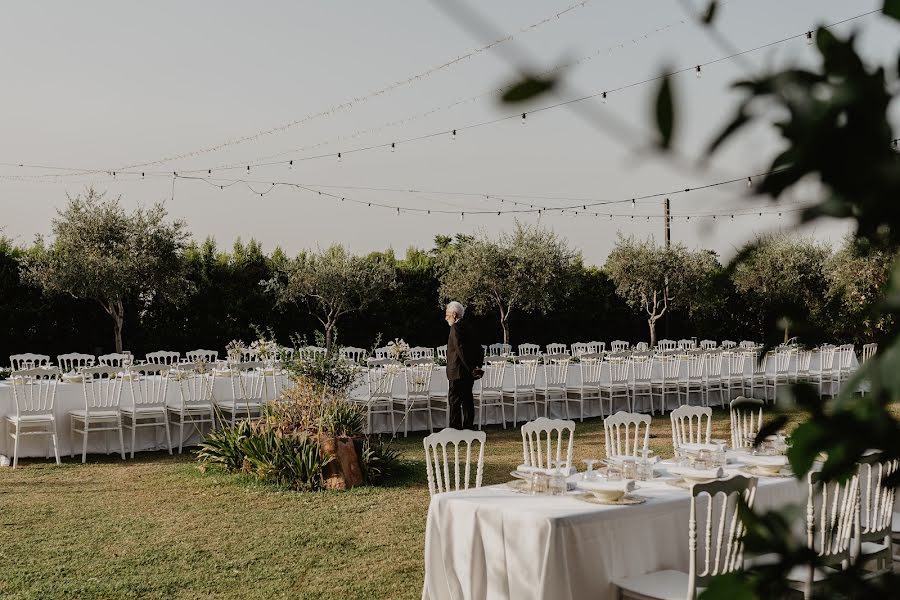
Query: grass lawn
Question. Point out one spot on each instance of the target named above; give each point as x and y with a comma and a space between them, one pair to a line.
155, 527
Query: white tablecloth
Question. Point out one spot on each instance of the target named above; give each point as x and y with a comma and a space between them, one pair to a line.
493, 543
70, 396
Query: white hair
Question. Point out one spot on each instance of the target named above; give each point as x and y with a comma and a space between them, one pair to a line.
457, 308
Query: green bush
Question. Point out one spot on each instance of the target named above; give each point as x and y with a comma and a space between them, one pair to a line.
379, 459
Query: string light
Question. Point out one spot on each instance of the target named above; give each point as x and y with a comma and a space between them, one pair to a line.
749, 182
698, 71
248, 169
462, 216
523, 118
453, 136
809, 38
603, 97
393, 147
339, 157
290, 165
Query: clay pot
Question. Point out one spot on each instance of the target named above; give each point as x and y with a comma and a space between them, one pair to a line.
344, 471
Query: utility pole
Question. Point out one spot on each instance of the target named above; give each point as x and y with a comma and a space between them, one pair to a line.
667, 221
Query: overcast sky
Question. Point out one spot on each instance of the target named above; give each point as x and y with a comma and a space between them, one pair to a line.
103, 85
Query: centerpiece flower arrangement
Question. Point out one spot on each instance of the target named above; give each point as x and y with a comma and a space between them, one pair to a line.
399, 350
266, 350
233, 349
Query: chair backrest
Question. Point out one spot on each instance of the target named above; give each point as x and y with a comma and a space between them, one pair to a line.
418, 377
719, 529
579, 348
383, 352
781, 359
28, 360
831, 509
380, 378
73, 361
691, 367
826, 358
437, 466
727, 344
499, 349
494, 370
622, 434
194, 386
311, 352
149, 384
619, 345
687, 425
713, 367
708, 344
597, 346
114, 359
249, 382
591, 367
556, 348
529, 349
746, 420
669, 365
102, 388
556, 369
642, 347
353, 354
686, 344
748, 344
846, 354
757, 366
442, 351
869, 351
734, 364
34, 390
666, 345
199, 355
619, 367
525, 371
641, 368
163, 357
537, 442
876, 500
248, 355
421, 352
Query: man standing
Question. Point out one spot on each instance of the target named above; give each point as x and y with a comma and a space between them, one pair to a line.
465, 357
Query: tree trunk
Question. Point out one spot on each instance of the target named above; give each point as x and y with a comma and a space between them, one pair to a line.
329, 329
652, 322
787, 326
505, 324
117, 329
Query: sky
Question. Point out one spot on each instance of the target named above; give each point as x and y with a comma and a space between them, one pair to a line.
98, 86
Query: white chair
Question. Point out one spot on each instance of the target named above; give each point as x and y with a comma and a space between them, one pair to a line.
845, 356
690, 377
616, 385
195, 405
163, 357
419, 352
732, 372
529, 349
686, 344
799, 367
34, 394
380, 380
200, 355
556, 348
556, 377
757, 376
249, 391
590, 366
597, 347
778, 373
748, 345
538, 447
667, 384
311, 352
490, 392
21, 362
102, 397
869, 351
147, 408
579, 348
727, 345
641, 347
415, 396
687, 425
712, 376
619, 345
114, 359
383, 352
876, 509
715, 543
499, 349
746, 421
524, 391
248, 355
665, 345
437, 467
708, 344
640, 383
824, 373
353, 354
74, 361
622, 434
442, 352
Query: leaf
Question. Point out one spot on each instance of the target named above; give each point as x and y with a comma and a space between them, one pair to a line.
741, 119
732, 586
770, 428
710, 13
528, 88
891, 8
665, 113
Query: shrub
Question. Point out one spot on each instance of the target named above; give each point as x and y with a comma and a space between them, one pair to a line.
379, 459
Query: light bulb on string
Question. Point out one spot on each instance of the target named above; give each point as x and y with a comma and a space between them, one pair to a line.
393, 147
248, 170
462, 216
453, 136
290, 165
339, 157
809, 38
749, 182
142, 175
114, 174
603, 97
523, 118
698, 71
398, 211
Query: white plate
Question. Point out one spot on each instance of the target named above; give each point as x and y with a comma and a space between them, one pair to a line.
626, 500
755, 471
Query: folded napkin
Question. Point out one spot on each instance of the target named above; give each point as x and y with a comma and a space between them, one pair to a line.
765, 461
604, 485
697, 474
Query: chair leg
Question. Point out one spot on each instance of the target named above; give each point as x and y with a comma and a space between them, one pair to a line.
16, 447
168, 434
180, 432
121, 438
55, 440
72, 436
133, 429
84, 438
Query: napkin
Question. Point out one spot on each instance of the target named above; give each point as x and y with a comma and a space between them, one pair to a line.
602, 486
765, 461
697, 474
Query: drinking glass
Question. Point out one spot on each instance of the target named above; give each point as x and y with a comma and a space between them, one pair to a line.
613, 471
629, 468
589, 474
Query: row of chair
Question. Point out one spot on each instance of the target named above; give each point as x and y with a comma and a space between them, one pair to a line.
148, 405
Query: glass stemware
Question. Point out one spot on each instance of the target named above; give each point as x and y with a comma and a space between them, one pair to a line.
590, 473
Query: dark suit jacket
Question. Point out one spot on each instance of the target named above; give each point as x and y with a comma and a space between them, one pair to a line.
464, 352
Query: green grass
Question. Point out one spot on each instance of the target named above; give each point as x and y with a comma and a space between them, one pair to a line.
156, 527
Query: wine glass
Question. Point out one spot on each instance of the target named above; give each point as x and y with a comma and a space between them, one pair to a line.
589, 474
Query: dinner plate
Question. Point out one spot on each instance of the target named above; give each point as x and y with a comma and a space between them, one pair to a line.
626, 500
755, 471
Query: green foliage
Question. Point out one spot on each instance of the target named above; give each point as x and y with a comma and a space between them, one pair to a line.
665, 113
328, 369
224, 446
380, 460
342, 418
528, 88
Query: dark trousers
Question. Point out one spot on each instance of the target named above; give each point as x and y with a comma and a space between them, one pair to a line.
462, 405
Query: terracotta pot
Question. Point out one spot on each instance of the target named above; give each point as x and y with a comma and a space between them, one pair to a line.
344, 471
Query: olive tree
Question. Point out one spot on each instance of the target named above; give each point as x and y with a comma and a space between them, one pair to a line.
333, 283
655, 279
784, 275
530, 269
102, 252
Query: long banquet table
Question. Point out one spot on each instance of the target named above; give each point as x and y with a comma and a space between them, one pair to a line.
418, 421
495, 543
70, 396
